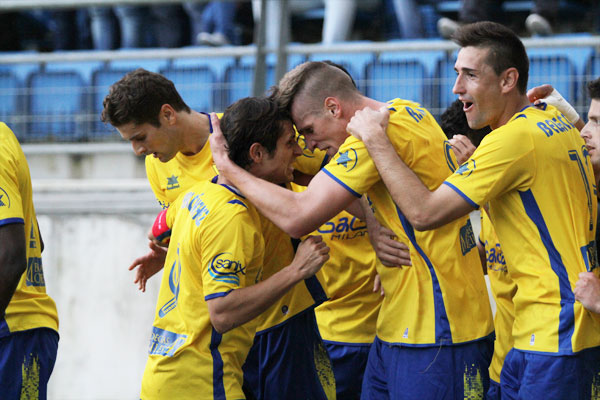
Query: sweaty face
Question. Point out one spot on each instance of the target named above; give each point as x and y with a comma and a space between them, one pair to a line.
320, 128
278, 166
478, 87
147, 139
591, 134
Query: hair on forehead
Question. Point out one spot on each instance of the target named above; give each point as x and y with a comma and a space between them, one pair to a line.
314, 81
594, 89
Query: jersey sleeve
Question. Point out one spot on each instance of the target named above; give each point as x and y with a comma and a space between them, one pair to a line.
11, 205
229, 247
504, 161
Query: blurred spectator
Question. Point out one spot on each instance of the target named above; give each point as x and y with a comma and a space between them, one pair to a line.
70, 29
212, 23
539, 22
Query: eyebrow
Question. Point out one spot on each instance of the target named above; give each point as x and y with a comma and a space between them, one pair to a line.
465, 69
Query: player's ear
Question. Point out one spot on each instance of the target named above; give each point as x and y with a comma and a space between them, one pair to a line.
167, 114
509, 80
256, 152
333, 107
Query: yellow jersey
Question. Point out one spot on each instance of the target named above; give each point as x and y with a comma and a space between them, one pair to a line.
30, 306
536, 175
442, 298
216, 246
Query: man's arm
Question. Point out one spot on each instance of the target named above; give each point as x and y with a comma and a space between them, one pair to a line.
424, 209
297, 214
13, 261
547, 94
587, 291
243, 305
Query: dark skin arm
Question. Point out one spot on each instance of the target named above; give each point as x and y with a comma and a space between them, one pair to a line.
13, 261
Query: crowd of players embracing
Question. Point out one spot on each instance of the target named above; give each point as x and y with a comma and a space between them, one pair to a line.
384, 297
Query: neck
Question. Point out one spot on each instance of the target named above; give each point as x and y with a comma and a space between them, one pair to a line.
512, 107
196, 129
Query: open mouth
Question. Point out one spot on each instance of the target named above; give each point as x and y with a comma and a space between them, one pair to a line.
467, 105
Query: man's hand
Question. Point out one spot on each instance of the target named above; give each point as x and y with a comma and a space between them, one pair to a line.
547, 94
377, 286
462, 147
390, 252
368, 124
312, 253
218, 145
148, 265
587, 291
537, 94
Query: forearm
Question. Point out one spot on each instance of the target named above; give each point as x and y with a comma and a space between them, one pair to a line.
243, 305
13, 262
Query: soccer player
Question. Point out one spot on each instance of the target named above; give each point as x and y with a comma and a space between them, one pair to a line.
147, 110
28, 317
533, 171
587, 288
463, 140
212, 284
429, 334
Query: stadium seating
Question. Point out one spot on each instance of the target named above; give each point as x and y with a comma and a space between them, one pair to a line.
11, 102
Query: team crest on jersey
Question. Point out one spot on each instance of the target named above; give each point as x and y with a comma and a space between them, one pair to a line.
347, 159
174, 278
172, 182
467, 168
223, 268
305, 150
4, 198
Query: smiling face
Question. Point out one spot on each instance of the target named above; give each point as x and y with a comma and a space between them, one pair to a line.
591, 134
277, 167
478, 87
321, 128
146, 139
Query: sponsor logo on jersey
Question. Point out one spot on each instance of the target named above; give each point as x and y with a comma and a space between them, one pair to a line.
174, 278
467, 168
165, 343
448, 154
347, 159
495, 258
4, 198
467, 239
172, 182
223, 268
32, 236
35, 273
344, 228
196, 206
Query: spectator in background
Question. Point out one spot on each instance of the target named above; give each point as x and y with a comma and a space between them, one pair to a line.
212, 23
537, 23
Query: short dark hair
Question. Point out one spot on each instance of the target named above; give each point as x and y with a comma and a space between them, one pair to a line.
138, 98
453, 121
320, 79
252, 120
594, 89
505, 48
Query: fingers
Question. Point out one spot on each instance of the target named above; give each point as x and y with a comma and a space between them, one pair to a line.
216, 124
539, 92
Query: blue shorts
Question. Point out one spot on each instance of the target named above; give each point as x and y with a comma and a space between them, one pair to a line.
443, 372
540, 376
494, 392
26, 361
289, 362
349, 362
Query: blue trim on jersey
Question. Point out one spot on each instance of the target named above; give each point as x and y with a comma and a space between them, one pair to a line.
218, 386
9, 221
237, 202
464, 196
542, 106
215, 295
210, 128
566, 325
521, 116
325, 161
442, 326
341, 183
525, 108
315, 289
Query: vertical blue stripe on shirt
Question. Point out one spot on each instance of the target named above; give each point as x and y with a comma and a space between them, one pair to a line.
218, 385
442, 326
315, 289
566, 324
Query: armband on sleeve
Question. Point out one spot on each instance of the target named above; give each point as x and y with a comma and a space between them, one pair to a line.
160, 230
